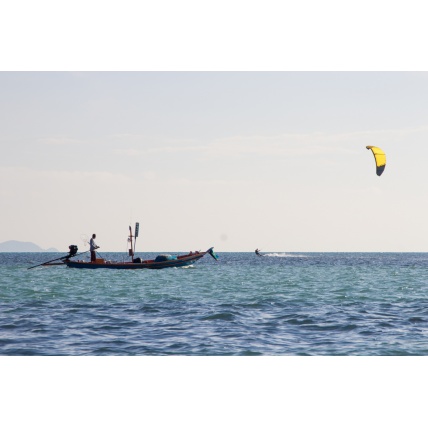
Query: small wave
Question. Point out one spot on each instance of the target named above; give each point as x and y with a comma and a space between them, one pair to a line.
416, 319
226, 316
250, 353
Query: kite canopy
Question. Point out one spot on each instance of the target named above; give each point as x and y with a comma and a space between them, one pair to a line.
380, 158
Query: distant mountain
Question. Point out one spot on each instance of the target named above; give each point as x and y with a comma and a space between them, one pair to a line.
23, 247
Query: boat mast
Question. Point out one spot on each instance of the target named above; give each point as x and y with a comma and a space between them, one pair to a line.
131, 251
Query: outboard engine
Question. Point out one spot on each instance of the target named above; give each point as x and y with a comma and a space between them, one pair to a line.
73, 250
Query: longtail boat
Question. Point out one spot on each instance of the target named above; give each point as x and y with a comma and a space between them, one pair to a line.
160, 262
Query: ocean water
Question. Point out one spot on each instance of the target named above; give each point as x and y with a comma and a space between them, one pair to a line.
283, 304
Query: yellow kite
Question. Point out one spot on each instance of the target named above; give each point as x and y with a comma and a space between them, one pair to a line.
380, 158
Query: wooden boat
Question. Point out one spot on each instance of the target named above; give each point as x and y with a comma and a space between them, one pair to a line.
160, 262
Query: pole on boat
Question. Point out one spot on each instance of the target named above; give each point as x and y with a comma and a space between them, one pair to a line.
131, 250
72, 253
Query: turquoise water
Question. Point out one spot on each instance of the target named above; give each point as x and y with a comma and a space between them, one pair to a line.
283, 304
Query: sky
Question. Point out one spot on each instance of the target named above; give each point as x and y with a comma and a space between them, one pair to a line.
234, 160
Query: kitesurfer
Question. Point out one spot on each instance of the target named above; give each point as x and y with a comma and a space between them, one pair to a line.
258, 252
93, 247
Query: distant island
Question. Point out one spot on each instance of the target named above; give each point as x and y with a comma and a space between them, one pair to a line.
23, 247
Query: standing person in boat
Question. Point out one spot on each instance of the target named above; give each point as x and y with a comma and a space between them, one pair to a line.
93, 246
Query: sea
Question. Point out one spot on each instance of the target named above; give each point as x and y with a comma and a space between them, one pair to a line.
241, 305
330, 307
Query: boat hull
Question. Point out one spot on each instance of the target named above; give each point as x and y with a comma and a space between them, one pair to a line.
180, 261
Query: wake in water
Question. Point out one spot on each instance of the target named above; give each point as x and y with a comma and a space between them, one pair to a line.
283, 255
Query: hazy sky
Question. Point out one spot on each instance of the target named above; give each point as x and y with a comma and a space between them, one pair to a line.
235, 160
